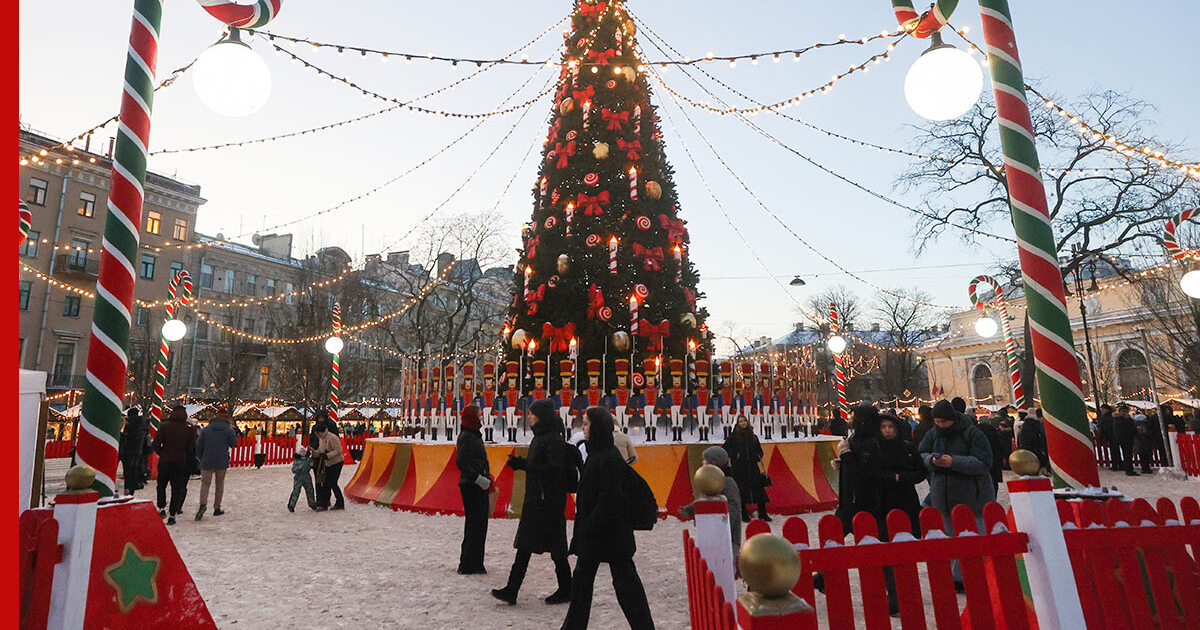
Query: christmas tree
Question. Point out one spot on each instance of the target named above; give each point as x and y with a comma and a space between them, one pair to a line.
605, 259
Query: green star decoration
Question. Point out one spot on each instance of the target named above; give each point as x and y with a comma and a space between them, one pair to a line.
134, 577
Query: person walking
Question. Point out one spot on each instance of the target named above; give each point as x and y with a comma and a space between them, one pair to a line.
328, 455
958, 458
130, 449
1124, 436
1104, 432
175, 444
716, 456
302, 479
603, 530
1144, 441
859, 470
474, 481
213, 448
745, 456
901, 469
550, 470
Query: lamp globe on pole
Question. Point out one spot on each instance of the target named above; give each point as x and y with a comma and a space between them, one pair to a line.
986, 326
334, 345
230, 78
943, 83
836, 344
173, 330
1190, 284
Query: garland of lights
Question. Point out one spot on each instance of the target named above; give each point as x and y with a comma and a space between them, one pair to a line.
454, 356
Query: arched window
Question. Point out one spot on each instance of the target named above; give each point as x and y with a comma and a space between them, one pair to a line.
981, 382
1132, 377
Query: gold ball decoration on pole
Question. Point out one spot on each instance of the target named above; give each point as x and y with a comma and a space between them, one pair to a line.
709, 481
80, 477
770, 565
1024, 463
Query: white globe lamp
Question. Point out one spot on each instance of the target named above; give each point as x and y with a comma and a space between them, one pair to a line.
1190, 283
230, 78
173, 330
837, 344
334, 345
943, 83
986, 326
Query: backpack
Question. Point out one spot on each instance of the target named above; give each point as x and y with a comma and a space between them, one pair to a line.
643, 507
572, 464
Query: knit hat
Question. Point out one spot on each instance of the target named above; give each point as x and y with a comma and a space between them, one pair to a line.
944, 410
470, 418
716, 456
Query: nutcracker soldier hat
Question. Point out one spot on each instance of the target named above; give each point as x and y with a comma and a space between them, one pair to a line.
566, 368
539, 368
424, 374
489, 369
649, 366
593, 367
622, 366
764, 369
512, 369
702, 367
726, 369
747, 370
436, 372
676, 367
449, 374
468, 370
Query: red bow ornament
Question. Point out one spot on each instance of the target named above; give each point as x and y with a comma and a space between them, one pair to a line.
676, 233
601, 58
595, 302
559, 338
593, 205
552, 134
531, 245
654, 333
690, 296
631, 148
583, 96
564, 153
614, 119
593, 10
651, 257
534, 298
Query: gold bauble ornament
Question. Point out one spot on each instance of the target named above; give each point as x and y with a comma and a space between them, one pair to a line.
518, 339
709, 481
653, 190
1024, 463
629, 73
563, 264
769, 564
620, 341
80, 477
600, 150
687, 319
566, 106
630, 28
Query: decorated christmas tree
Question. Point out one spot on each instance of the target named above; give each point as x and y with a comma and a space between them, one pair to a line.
605, 259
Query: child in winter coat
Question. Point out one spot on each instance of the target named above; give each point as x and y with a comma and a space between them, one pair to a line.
302, 479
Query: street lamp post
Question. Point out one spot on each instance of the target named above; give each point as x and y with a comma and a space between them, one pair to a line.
1087, 335
172, 330
1010, 345
333, 345
836, 345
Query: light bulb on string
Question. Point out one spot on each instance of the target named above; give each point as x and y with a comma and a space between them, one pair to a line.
230, 78
943, 83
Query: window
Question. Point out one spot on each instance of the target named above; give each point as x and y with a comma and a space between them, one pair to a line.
270, 286
176, 267
201, 329
981, 382
198, 375
249, 327
71, 306
64, 363
289, 289
26, 287
229, 280
30, 246
79, 253
1132, 377
180, 233
153, 222
37, 191
264, 377
206, 276
87, 205
141, 315
20, 352
251, 286
148, 266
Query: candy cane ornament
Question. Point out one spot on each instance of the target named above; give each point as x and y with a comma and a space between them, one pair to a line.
1068, 436
1171, 241
1010, 345
242, 15
181, 277
24, 222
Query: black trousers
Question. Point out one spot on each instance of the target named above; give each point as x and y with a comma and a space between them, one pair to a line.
1125, 459
475, 509
332, 472
175, 475
562, 571
631, 595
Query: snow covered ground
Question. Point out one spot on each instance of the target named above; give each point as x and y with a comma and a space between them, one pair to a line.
259, 566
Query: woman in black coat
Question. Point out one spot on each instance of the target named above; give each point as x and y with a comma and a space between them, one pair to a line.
543, 525
745, 454
901, 469
474, 482
130, 451
860, 470
603, 531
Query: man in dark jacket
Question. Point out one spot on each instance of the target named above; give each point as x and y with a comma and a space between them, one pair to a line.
603, 531
1104, 429
175, 444
543, 525
213, 447
1032, 437
474, 481
130, 450
1124, 436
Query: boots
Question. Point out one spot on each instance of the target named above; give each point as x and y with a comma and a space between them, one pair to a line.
449, 434
487, 433
433, 433
762, 512
506, 595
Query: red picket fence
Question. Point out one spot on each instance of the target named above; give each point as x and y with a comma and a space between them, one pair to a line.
1117, 545
57, 449
1104, 456
1189, 453
275, 450
706, 601
39, 551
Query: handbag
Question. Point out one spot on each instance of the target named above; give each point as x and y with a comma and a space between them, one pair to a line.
763, 477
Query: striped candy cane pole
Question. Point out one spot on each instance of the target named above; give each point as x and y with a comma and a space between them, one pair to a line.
24, 222
333, 376
104, 391
1010, 344
164, 347
1170, 241
838, 373
242, 15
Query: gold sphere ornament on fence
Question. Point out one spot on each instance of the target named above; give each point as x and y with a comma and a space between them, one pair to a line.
518, 339
653, 190
600, 150
709, 480
620, 341
1024, 463
80, 477
770, 565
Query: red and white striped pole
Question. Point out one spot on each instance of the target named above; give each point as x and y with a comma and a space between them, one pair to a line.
164, 346
335, 349
838, 373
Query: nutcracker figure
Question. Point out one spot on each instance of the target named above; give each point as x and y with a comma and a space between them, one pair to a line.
451, 405
678, 393
594, 393
423, 403
726, 398
435, 401
621, 395
489, 401
650, 396
566, 394
765, 400
701, 398
512, 397
744, 398
539, 381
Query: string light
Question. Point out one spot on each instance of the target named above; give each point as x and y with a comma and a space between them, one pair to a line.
62, 285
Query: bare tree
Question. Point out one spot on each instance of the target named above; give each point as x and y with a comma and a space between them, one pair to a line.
848, 305
906, 321
1173, 329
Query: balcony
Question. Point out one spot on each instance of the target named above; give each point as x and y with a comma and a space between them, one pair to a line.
66, 381
77, 265
254, 349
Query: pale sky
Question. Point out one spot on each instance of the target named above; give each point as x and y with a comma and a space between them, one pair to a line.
73, 52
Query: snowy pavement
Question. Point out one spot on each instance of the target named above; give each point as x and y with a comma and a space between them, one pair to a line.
259, 566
